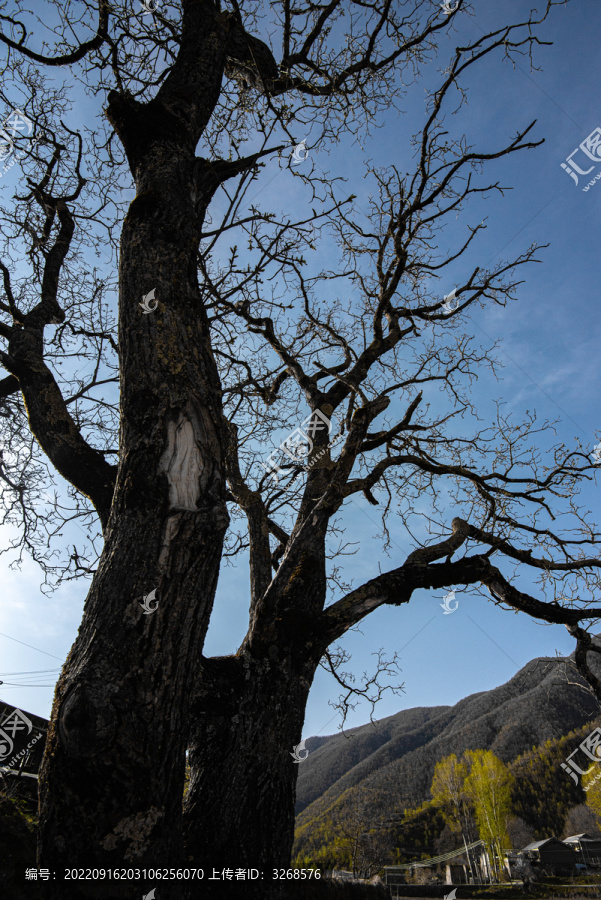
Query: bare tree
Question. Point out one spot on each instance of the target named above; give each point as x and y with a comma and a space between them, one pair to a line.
524, 869
520, 833
227, 343
579, 819
364, 840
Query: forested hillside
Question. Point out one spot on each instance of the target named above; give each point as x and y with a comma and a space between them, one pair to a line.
381, 774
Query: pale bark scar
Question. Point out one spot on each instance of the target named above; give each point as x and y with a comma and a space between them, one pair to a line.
182, 462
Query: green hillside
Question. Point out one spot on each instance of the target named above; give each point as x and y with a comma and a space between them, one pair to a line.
376, 779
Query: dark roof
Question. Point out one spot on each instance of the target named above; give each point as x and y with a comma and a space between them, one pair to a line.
538, 844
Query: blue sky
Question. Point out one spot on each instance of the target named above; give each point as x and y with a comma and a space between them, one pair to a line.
549, 349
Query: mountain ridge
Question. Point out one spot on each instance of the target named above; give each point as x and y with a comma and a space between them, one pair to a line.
392, 761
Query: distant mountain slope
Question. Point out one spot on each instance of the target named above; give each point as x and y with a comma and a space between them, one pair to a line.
332, 758
392, 761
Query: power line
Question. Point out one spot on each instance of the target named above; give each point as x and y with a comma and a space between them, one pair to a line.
31, 672
30, 646
31, 679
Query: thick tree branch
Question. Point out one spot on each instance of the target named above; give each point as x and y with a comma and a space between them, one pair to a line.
8, 386
584, 645
420, 571
66, 58
54, 428
258, 525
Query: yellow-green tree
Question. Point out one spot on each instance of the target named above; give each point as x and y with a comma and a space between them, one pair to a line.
448, 793
592, 788
447, 790
489, 785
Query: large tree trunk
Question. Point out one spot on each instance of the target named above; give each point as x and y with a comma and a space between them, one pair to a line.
249, 710
112, 780
239, 810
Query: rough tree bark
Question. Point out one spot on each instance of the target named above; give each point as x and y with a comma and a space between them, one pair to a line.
247, 731
112, 780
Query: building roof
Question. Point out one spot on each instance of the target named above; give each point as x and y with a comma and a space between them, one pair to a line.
538, 844
578, 838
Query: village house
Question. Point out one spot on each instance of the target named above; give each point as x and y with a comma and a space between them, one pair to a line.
554, 856
587, 849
